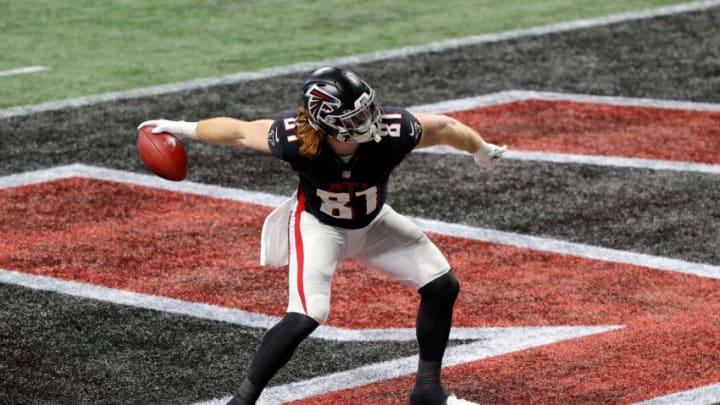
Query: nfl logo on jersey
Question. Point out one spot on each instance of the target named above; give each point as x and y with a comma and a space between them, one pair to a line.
346, 174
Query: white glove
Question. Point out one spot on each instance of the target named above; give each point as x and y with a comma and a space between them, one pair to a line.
488, 155
181, 129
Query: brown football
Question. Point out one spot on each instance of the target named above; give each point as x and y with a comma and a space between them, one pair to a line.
163, 154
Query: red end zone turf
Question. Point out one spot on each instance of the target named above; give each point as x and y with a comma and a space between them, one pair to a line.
206, 250
600, 129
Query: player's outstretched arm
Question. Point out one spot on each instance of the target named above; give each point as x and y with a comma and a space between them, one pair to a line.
440, 129
221, 131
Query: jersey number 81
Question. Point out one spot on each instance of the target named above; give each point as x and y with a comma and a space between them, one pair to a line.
341, 205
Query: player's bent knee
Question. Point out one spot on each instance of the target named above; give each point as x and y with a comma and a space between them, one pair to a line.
319, 310
319, 317
295, 326
446, 286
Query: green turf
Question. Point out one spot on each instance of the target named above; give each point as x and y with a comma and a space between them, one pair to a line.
95, 47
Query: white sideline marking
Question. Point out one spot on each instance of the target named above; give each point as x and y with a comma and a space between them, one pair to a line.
707, 395
506, 341
615, 161
611, 161
569, 248
358, 59
439, 227
492, 341
22, 70
256, 320
230, 315
510, 96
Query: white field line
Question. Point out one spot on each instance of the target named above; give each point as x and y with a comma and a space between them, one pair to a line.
493, 341
243, 318
22, 70
359, 59
512, 340
707, 395
615, 161
610, 161
439, 227
511, 96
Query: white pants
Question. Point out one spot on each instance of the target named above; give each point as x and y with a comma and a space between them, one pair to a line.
391, 244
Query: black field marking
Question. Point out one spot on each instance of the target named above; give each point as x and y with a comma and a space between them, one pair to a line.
484, 343
60, 349
371, 57
667, 214
676, 58
673, 57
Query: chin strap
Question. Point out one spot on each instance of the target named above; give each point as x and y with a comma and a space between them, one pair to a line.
375, 134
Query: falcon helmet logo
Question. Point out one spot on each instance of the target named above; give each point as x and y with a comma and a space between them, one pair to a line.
320, 102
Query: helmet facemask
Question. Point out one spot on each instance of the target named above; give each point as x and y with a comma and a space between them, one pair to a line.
360, 125
342, 105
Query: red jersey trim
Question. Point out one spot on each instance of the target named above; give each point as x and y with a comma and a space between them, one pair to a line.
299, 249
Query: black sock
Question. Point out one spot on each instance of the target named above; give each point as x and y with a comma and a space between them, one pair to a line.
428, 388
247, 394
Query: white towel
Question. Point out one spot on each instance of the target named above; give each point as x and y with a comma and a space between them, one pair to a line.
274, 238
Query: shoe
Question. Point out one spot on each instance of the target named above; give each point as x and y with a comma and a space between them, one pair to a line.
453, 400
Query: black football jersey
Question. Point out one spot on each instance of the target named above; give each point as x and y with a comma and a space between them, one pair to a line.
347, 194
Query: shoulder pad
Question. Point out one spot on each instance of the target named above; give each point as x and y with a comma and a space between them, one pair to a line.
282, 140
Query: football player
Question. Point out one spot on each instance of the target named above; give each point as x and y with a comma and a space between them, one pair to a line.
344, 145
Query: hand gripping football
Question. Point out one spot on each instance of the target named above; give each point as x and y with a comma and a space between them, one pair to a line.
163, 153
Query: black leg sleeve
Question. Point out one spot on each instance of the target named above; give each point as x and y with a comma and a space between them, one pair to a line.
435, 316
276, 349
278, 346
433, 330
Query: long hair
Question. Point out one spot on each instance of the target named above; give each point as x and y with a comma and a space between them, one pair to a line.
310, 138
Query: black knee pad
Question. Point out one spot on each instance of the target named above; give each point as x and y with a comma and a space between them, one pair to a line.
445, 287
434, 319
294, 328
